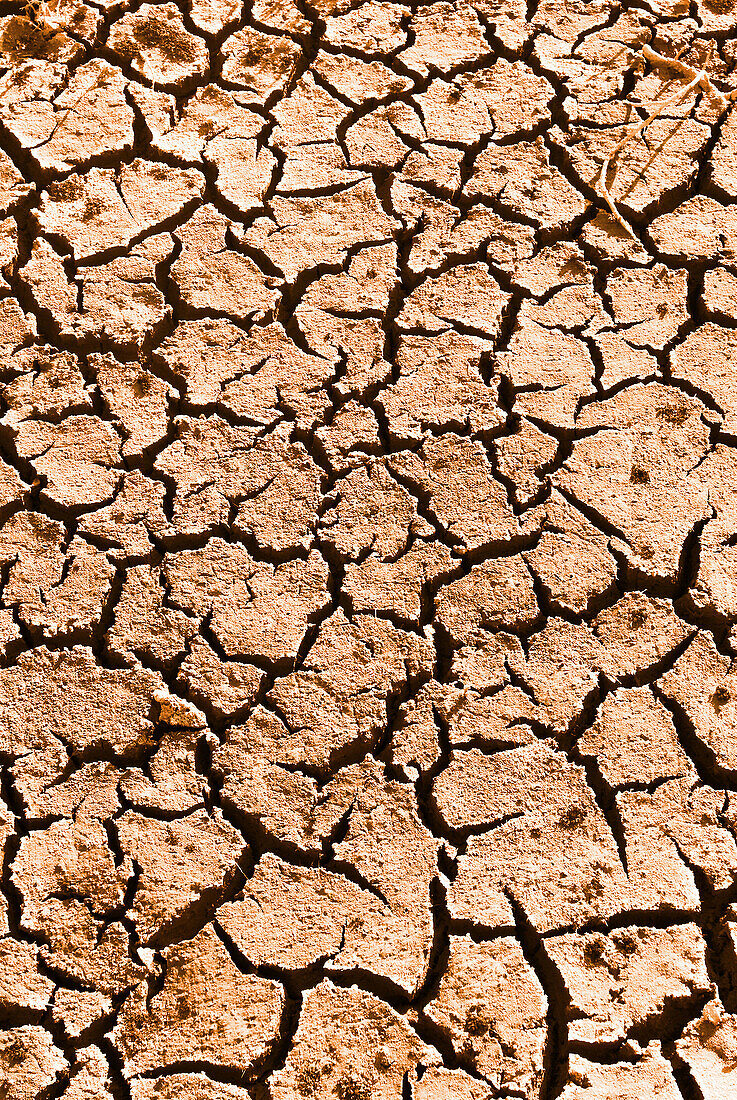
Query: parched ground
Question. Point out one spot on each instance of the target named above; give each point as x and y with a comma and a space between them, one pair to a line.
368, 550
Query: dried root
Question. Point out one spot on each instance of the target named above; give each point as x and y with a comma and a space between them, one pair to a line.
697, 78
44, 13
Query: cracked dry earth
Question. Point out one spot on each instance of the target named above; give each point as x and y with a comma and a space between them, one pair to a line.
368, 553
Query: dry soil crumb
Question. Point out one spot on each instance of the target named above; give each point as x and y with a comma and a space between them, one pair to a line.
368, 550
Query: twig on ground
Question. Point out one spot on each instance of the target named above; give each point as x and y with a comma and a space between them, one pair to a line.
697, 78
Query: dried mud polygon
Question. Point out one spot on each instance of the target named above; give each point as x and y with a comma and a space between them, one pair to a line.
368, 564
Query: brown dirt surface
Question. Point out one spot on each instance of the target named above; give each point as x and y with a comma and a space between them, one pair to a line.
368, 550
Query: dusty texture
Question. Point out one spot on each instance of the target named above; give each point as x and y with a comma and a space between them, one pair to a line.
368, 550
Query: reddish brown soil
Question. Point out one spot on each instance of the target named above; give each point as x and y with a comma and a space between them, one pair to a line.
368, 550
